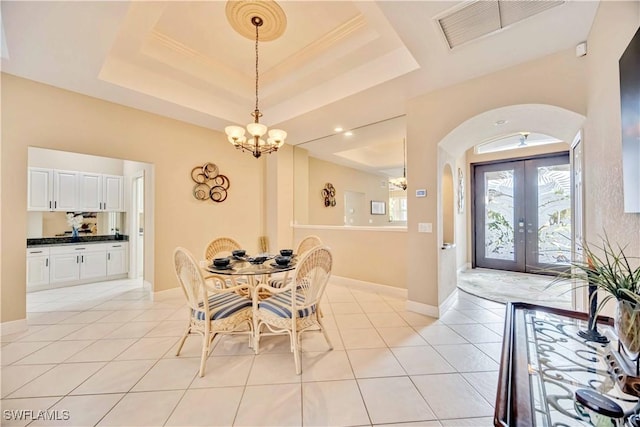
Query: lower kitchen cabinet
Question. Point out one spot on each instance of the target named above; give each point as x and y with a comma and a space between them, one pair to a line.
55, 266
37, 267
117, 260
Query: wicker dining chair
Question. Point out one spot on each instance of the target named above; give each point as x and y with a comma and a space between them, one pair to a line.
294, 308
212, 310
221, 246
304, 246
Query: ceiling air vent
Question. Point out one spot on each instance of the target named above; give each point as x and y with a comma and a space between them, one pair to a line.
483, 17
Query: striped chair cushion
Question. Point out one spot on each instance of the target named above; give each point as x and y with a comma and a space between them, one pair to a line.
280, 304
224, 305
278, 283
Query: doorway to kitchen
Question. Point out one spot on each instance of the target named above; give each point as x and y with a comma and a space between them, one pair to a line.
137, 235
522, 214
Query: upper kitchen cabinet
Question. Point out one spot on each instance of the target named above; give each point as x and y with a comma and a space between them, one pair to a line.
100, 192
40, 193
52, 190
113, 193
65, 190
59, 190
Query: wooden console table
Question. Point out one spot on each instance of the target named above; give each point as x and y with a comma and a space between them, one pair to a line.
544, 362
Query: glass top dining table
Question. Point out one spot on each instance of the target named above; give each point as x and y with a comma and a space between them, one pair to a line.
242, 267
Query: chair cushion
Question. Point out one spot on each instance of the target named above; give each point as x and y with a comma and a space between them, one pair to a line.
278, 283
224, 305
279, 304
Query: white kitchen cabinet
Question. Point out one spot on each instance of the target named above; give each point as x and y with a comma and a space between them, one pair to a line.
76, 263
100, 192
93, 262
37, 268
56, 266
90, 189
40, 193
117, 260
113, 193
65, 190
64, 267
71, 191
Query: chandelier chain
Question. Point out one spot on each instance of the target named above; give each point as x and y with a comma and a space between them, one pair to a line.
257, 111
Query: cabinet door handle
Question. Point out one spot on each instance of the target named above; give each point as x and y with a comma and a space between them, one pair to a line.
46, 262
49, 205
81, 258
35, 252
105, 206
108, 256
80, 249
116, 246
55, 204
77, 259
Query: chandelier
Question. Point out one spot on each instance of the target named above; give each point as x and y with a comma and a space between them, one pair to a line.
255, 143
402, 182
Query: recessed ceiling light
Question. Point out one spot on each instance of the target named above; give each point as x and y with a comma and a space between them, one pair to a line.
500, 122
338, 129
348, 133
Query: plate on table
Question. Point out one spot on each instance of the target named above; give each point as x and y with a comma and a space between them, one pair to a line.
276, 265
226, 267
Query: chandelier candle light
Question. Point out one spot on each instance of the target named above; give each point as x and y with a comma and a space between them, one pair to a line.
236, 134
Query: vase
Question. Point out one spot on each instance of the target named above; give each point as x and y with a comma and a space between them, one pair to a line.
627, 326
74, 233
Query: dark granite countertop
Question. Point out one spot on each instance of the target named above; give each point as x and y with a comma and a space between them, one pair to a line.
83, 240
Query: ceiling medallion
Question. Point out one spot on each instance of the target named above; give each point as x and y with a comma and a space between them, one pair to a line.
241, 12
256, 16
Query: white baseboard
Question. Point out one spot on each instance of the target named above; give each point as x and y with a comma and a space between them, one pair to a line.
13, 327
426, 309
431, 310
369, 286
448, 302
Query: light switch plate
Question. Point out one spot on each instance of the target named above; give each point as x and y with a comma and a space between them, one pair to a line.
425, 227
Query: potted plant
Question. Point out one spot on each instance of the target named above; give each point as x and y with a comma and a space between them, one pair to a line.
617, 276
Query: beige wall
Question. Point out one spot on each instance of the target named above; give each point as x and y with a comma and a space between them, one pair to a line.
343, 179
279, 201
55, 159
613, 28
377, 256
43, 116
558, 80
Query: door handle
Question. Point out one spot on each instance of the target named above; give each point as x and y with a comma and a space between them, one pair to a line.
109, 256
82, 258
77, 259
46, 262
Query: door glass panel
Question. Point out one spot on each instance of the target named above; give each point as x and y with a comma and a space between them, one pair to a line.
554, 214
499, 214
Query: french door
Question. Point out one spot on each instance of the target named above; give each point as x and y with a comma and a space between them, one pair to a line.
522, 214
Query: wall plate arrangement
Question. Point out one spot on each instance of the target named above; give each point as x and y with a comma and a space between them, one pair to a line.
210, 184
329, 194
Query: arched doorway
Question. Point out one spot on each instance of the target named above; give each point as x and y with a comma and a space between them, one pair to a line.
489, 126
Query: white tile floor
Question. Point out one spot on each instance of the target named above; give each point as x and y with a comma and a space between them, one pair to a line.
106, 354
